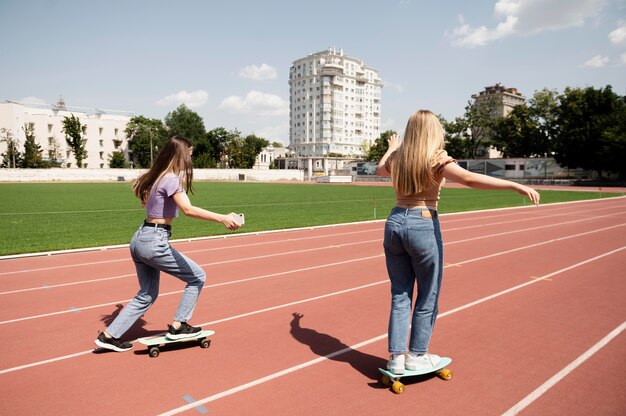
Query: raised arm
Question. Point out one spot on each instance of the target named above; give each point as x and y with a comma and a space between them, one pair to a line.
184, 204
457, 174
394, 143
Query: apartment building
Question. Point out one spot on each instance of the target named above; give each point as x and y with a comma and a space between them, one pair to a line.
103, 131
501, 101
335, 104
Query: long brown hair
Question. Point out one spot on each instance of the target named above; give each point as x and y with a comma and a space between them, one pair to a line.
174, 158
412, 171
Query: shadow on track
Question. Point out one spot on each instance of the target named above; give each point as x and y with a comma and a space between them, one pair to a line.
328, 346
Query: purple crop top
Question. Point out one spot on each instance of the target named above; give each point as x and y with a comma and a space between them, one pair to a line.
160, 203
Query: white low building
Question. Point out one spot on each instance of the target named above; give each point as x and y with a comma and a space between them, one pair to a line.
103, 131
267, 156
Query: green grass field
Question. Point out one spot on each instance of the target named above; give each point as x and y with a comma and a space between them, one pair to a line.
55, 216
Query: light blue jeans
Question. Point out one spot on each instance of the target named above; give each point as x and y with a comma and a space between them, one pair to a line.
151, 251
413, 251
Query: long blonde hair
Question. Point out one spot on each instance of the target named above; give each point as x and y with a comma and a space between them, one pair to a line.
174, 157
412, 171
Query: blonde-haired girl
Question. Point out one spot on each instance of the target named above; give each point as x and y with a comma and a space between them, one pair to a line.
162, 193
413, 245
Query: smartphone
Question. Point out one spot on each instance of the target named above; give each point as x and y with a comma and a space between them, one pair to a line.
239, 219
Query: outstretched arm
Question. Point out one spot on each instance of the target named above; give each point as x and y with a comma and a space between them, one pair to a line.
457, 174
184, 204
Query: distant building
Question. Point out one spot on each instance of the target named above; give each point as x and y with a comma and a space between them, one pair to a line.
334, 105
103, 131
501, 100
268, 155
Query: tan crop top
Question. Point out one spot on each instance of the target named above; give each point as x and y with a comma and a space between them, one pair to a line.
430, 197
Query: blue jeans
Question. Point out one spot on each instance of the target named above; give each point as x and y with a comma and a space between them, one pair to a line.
413, 251
152, 254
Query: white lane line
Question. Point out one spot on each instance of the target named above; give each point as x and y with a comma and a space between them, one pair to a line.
303, 269
364, 343
127, 258
38, 363
539, 391
305, 250
216, 263
249, 279
256, 233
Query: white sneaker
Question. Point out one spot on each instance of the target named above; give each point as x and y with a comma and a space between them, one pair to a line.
396, 363
421, 362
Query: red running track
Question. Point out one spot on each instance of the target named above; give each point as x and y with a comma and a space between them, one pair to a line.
532, 313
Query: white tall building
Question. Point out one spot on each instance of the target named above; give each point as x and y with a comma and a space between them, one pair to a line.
334, 105
103, 131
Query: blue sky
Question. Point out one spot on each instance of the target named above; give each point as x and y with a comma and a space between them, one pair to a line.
229, 60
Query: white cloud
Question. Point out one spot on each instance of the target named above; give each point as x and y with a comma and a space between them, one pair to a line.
618, 36
597, 61
190, 99
622, 58
272, 133
33, 100
394, 86
526, 17
258, 73
256, 102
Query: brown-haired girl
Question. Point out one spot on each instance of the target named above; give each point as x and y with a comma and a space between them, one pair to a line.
162, 193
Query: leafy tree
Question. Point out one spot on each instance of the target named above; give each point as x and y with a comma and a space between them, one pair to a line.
454, 139
12, 158
32, 150
73, 130
479, 122
277, 145
142, 132
252, 146
591, 130
117, 160
469, 135
380, 146
215, 147
518, 134
186, 123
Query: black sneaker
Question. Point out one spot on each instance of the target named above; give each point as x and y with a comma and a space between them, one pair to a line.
184, 331
114, 344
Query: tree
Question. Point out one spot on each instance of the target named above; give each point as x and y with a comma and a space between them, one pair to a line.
591, 131
213, 149
186, 123
479, 121
380, 146
117, 160
277, 145
12, 157
518, 134
73, 130
252, 146
454, 138
145, 137
468, 136
32, 151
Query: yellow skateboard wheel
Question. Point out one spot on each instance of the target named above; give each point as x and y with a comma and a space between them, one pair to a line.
397, 387
386, 381
445, 374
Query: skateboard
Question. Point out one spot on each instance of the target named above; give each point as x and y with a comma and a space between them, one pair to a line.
392, 380
154, 343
